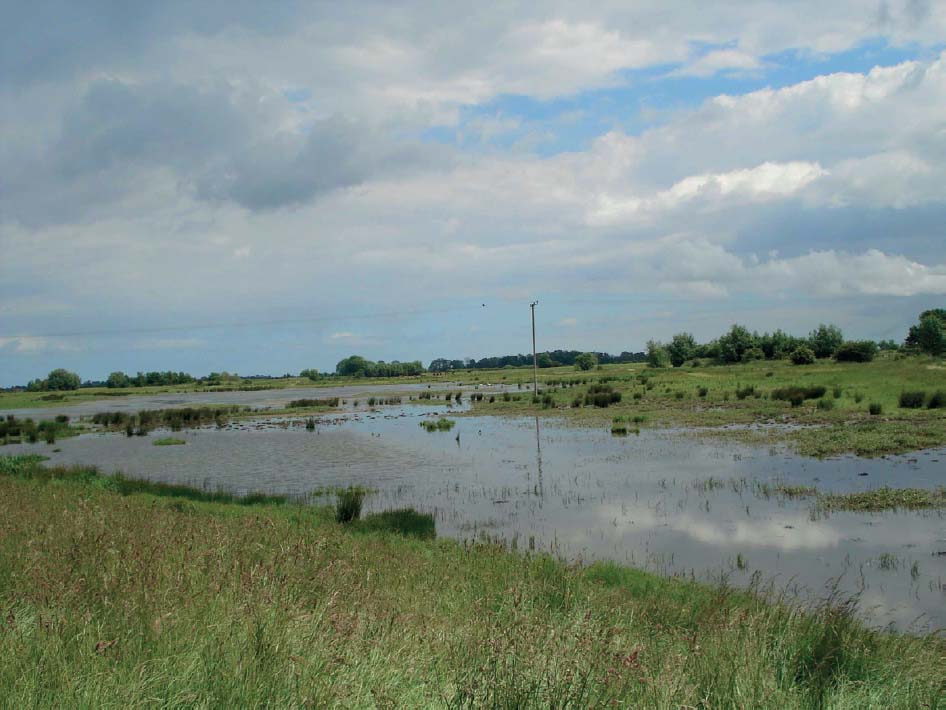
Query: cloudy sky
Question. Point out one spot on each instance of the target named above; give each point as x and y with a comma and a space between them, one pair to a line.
261, 188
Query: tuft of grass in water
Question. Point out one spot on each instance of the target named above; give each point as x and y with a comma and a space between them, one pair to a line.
885, 499
312, 402
168, 441
888, 561
348, 504
441, 424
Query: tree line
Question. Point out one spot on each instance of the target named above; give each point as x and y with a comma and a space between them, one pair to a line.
738, 344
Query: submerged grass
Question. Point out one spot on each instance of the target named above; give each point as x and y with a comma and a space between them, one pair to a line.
138, 600
168, 441
885, 499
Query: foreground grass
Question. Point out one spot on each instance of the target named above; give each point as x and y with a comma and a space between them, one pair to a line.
116, 600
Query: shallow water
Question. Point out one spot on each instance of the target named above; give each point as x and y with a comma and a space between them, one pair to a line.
660, 500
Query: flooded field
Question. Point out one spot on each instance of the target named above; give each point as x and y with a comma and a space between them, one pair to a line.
659, 500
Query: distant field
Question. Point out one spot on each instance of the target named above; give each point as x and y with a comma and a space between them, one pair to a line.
702, 397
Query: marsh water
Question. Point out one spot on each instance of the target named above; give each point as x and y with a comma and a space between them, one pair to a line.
662, 500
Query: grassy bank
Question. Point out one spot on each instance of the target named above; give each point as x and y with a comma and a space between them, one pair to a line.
839, 419
147, 599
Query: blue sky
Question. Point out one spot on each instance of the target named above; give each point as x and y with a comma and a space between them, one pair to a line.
220, 187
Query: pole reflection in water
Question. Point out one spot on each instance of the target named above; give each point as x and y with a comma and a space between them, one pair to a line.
538, 459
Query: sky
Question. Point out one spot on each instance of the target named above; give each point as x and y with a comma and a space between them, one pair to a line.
266, 187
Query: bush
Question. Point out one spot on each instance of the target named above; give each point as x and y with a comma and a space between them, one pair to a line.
62, 380
703, 391
826, 404
875, 409
753, 354
586, 361
348, 505
796, 394
856, 351
937, 400
743, 392
802, 356
912, 400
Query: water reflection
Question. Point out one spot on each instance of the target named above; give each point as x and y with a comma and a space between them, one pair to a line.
657, 500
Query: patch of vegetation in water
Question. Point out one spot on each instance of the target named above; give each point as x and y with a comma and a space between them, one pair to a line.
168, 441
442, 424
884, 499
331, 402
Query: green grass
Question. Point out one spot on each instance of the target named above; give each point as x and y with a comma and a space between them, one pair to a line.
169, 441
441, 424
140, 600
708, 397
885, 499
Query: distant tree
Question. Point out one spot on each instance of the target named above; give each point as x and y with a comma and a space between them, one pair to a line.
887, 345
586, 361
311, 373
734, 344
657, 355
353, 366
118, 379
61, 379
779, 344
802, 355
752, 354
856, 351
544, 360
825, 339
929, 335
682, 347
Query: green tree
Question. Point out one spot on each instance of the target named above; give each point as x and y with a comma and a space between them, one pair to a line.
353, 366
734, 344
825, 339
929, 335
802, 355
657, 355
60, 379
682, 347
118, 379
586, 361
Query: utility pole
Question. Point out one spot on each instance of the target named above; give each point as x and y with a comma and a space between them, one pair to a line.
535, 360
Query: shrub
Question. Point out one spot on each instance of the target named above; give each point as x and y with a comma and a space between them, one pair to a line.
937, 400
826, 404
856, 351
837, 392
802, 355
796, 394
743, 392
703, 391
586, 361
753, 354
657, 355
912, 400
332, 402
875, 409
348, 505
